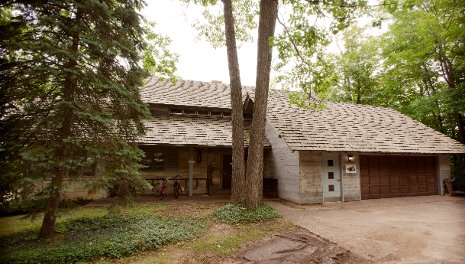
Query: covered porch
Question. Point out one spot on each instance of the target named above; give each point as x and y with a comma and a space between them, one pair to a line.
200, 169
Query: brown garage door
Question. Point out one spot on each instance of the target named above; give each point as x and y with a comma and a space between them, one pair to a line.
393, 176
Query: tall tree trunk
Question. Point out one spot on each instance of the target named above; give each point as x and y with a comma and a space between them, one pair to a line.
56, 183
460, 126
254, 172
238, 169
49, 221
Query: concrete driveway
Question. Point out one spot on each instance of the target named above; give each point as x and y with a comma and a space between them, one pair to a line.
428, 229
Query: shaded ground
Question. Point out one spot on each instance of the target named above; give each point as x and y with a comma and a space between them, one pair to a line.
296, 247
429, 229
276, 241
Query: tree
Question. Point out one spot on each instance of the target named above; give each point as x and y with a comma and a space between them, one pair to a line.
254, 172
302, 45
421, 70
424, 51
238, 166
71, 71
426, 43
233, 30
358, 65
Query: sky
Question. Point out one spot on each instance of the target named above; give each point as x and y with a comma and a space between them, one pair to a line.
197, 58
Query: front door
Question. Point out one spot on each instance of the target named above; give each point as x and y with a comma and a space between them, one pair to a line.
331, 178
227, 171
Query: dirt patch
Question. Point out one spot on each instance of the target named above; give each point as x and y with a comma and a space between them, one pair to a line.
221, 229
295, 247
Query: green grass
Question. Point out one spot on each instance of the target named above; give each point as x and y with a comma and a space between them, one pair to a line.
90, 233
14, 224
189, 233
235, 214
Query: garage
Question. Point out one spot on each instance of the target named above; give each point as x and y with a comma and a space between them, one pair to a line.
383, 176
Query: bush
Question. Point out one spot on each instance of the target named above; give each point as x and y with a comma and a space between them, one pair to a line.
236, 214
84, 239
18, 207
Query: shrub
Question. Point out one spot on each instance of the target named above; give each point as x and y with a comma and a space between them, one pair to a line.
86, 238
236, 214
18, 207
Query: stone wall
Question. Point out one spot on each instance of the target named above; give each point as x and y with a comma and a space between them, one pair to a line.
311, 177
350, 181
282, 164
78, 189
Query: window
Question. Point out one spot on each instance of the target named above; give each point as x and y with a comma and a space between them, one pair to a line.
330, 175
331, 188
176, 111
190, 112
330, 163
161, 160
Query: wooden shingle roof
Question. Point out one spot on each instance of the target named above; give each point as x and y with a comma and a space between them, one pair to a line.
350, 127
190, 130
187, 93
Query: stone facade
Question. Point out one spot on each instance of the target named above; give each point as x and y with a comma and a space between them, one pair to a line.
350, 181
283, 164
311, 177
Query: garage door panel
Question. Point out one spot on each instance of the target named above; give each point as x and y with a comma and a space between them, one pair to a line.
404, 189
432, 189
432, 180
392, 176
394, 180
412, 180
421, 179
423, 188
364, 181
384, 180
384, 191
395, 190
374, 191
403, 180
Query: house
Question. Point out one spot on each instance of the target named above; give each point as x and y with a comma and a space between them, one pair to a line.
189, 134
351, 152
344, 152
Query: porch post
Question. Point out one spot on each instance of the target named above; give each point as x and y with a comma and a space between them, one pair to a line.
191, 170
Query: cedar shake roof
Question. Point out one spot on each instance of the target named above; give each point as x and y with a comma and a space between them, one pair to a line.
190, 130
187, 93
350, 127
194, 130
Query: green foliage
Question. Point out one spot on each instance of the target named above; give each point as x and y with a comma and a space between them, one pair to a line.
357, 67
235, 214
416, 67
211, 26
301, 46
87, 238
18, 207
71, 73
157, 59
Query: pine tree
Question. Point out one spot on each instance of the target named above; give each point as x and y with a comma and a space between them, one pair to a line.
70, 72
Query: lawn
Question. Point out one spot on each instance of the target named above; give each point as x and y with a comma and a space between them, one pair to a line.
170, 233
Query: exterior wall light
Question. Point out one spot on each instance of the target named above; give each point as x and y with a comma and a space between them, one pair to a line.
350, 158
